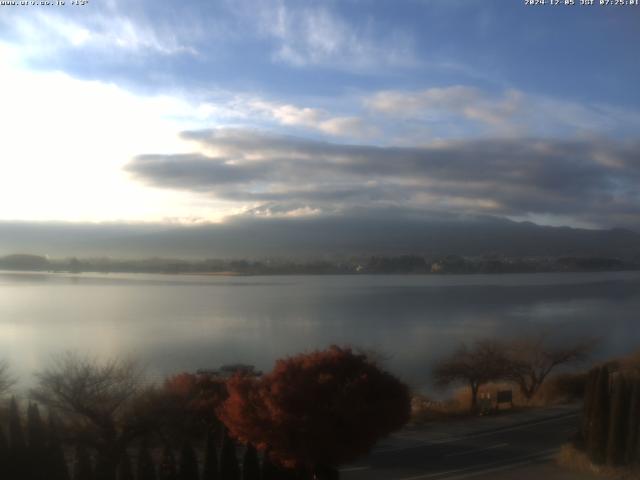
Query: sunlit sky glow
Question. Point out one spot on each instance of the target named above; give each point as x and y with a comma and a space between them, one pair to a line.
163, 111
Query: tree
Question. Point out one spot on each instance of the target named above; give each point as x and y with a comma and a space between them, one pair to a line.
634, 423
484, 362
616, 447
125, 470
532, 359
56, 463
210, 470
250, 464
190, 402
146, 470
5, 466
95, 399
6, 380
318, 410
37, 444
229, 469
599, 425
168, 470
587, 407
18, 461
83, 468
188, 462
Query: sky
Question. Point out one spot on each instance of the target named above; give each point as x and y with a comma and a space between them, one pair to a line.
196, 111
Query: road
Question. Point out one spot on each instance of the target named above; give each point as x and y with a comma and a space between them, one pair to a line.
521, 447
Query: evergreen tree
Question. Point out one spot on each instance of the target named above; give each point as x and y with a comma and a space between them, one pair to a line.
269, 469
250, 464
616, 447
211, 470
587, 411
188, 462
597, 446
16, 436
4, 452
634, 423
18, 466
125, 471
229, 469
146, 469
56, 462
107, 462
168, 470
83, 467
37, 444
36, 432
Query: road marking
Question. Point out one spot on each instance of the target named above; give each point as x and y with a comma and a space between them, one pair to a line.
469, 452
355, 469
492, 466
473, 435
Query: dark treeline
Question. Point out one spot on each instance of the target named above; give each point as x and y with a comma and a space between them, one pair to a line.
402, 264
35, 449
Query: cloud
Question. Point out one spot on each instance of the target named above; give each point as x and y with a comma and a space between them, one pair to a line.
315, 119
511, 112
590, 182
315, 36
107, 30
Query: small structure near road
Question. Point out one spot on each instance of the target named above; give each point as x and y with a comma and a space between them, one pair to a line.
504, 397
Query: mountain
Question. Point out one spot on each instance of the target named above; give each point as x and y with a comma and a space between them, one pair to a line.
321, 236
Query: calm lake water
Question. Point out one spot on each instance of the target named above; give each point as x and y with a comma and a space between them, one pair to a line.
175, 323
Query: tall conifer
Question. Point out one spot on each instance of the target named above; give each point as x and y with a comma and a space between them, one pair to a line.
211, 468
250, 464
188, 462
597, 446
618, 422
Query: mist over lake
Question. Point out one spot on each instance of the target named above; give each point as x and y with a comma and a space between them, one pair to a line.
176, 323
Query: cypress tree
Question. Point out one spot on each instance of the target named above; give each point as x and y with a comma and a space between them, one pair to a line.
229, 469
18, 466
250, 464
56, 462
36, 432
146, 469
269, 470
106, 467
634, 423
37, 448
211, 470
125, 471
618, 422
597, 446
4, 453
587, 409
168, 470
83, 467
16, 436
188, 462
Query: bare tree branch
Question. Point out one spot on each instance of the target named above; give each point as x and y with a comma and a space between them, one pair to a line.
533, 358
6, 380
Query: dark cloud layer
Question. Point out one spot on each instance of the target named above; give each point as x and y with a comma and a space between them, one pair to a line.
590, 181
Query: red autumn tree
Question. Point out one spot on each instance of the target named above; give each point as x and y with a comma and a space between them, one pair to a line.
318, 410
194, 398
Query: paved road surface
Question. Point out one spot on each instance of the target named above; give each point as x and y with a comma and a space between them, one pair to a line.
518, 446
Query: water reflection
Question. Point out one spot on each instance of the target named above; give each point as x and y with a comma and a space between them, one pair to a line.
188, 322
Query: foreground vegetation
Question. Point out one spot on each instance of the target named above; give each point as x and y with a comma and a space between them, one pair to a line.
312, 413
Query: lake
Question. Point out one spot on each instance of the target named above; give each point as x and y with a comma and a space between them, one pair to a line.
184, 322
